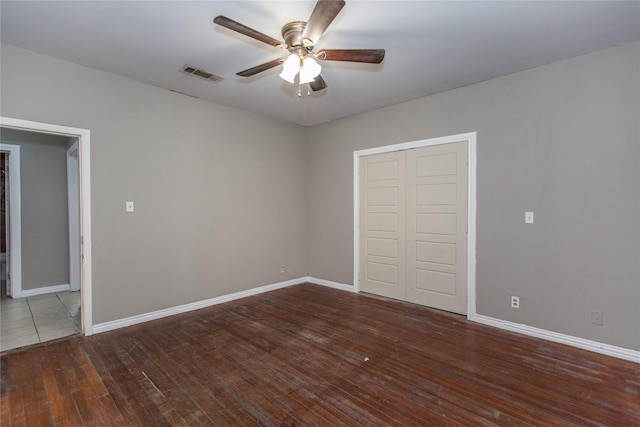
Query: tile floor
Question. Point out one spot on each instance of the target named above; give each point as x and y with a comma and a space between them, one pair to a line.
31, 320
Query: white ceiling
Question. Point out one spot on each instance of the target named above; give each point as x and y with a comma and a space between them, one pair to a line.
431, 46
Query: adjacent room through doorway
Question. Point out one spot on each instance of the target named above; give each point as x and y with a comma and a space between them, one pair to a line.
41, 298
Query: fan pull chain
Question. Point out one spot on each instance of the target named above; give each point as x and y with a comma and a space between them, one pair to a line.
300, 90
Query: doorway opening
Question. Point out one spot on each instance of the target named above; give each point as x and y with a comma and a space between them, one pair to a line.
11, 267
77, 200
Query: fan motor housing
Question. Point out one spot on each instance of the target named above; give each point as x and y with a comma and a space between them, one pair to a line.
292, 34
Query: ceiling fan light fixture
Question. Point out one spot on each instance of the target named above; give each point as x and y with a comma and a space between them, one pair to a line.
300, 38
290, 67
309, 71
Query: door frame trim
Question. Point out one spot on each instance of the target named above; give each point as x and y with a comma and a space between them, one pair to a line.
73, 203
470, 139
84, 157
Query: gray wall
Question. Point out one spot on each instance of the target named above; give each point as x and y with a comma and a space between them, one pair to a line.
220, 194
560, 140
45, 222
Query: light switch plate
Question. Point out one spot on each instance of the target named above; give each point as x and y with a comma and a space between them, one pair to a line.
528, 217
129, 206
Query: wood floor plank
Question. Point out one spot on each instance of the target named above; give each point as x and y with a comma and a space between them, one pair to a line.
17, 408
55, 399
5, 412
102, 362
93, 385
310, 355
36, 406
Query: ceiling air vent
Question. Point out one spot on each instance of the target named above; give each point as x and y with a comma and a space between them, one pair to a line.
199, 72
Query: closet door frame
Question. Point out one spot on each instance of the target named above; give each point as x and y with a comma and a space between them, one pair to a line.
470, 139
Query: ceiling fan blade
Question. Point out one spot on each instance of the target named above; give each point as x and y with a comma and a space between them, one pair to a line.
322, 16
260, 68
370, 56
243, 29
318, 84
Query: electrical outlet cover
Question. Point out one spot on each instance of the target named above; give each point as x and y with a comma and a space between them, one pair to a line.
528, 217
597, 318
515, 302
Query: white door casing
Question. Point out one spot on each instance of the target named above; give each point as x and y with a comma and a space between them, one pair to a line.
73, 195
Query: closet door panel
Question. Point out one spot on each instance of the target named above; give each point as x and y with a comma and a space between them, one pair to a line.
382, 224
436, 251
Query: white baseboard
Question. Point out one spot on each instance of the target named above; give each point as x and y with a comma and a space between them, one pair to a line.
329, 284
597, 347
146, 317
44, 290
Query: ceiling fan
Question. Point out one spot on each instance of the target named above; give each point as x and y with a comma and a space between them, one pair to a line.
300, 38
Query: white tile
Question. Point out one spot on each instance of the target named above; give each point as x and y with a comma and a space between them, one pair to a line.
16, 332
15, 315
77, 319
41, 298
55, 324
45, 303
44, 307
13, 302
42, 311
73, 309
8, 344
57, 333
14, 309
69, 298
14, 305
51, 319
16, 323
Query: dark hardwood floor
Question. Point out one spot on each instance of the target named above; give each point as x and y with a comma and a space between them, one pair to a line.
309, 355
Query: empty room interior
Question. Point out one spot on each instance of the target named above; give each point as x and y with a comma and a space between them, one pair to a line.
320, 213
